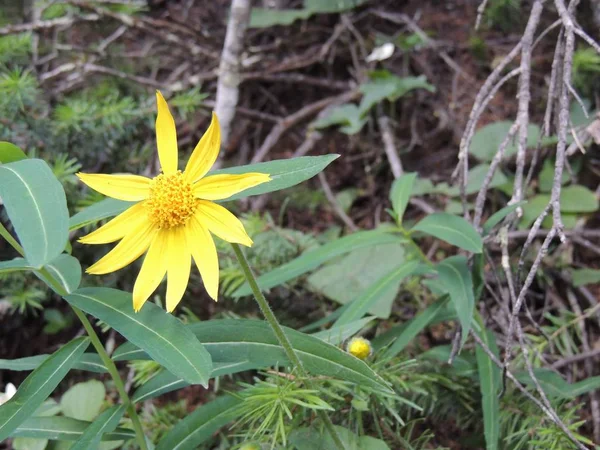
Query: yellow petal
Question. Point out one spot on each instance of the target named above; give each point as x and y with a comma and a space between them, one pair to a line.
127, 187
201, 244
131, 247
221, 222
117, 228
206, 152
179, 261
219, 187
166, 136
152, 271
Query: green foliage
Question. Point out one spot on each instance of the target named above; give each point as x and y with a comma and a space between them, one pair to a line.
264, 18
503, 14
586, 67
383, 85
268, 406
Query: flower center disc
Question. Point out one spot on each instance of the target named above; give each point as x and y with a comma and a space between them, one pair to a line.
171, 202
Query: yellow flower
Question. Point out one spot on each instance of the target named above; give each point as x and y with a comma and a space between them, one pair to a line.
359, 347
174, 215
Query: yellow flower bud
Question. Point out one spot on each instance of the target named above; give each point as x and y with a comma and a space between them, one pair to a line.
359, 347
250, 446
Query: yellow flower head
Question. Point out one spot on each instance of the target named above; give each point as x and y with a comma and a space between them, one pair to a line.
174, 215
359, 347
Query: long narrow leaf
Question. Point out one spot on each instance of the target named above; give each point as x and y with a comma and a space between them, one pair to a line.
455, 276
64, 429
39, 385
199, 426
161, 335
284, 173
415, 326
104, 423
252, 341
489, 385
360, 305
314, 258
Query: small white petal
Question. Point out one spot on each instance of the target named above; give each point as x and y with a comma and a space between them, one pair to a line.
11, 390
382, 52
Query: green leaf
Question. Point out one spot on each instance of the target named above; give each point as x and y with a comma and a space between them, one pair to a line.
103, 209
546, 177
66, 269
332, 6
455, 276
267, 17
284, 173
556, 387
161, 335
105, 423
411, 329
10, 153
347, 115
497, 217
338, 334
64, 429
488, 138
313, 438
390, 87
578, 199
452, 229
165, 381
200, 425
252, 341
363, 302
400, 194
14, 265
490, 383
83, 401
582, 277
39, 385
314, 258
463, 365
37, 207
90, 362
352, 275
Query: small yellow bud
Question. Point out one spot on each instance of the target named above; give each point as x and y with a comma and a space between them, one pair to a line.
359, 347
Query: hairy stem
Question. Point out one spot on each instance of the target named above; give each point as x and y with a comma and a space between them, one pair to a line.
281, 337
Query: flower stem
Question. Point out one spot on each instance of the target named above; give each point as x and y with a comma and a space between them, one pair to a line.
108, 362
282, 338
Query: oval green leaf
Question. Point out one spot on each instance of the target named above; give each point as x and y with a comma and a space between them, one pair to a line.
39, 385
14, 265
104, 423
66, 270
37, 207
400, 193
252, 341
452, 229
10, 153
456, 278
161, 335
314, 258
